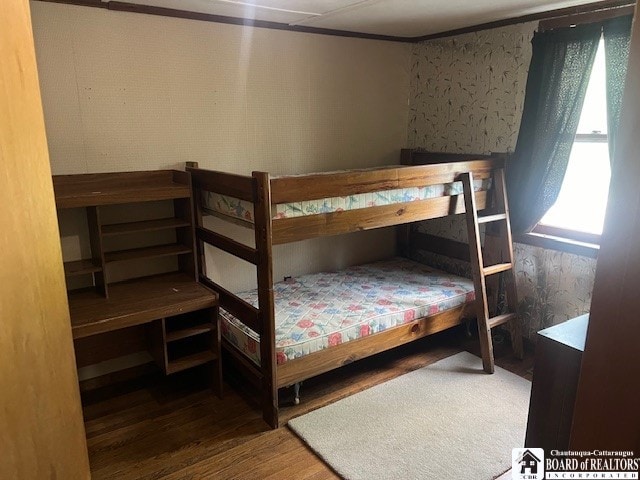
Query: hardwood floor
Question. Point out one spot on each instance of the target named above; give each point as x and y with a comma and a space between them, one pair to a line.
175, 428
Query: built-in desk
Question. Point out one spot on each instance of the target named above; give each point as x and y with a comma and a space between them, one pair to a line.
555, 382
136, 218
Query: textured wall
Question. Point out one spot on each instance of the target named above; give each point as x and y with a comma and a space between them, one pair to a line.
126, 91
467, 94
467, 91
552, 286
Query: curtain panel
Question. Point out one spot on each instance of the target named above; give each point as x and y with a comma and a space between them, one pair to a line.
556, 85
617, 33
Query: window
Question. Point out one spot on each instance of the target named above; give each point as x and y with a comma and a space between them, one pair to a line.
578, 214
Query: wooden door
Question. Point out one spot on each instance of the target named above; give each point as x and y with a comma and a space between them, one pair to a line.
41, 428
607, 411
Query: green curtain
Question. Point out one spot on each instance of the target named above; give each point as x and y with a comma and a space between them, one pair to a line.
617, 33
556, 85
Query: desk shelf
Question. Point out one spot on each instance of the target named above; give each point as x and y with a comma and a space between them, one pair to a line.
147, 252
143, 226
192, 331
190, 361
81, 267
95, 189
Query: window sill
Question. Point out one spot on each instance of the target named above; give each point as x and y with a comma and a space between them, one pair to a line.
559, 243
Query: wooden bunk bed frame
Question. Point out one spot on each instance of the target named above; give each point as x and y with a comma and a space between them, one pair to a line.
262, 191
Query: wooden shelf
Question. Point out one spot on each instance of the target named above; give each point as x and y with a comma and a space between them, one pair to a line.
144, 226
190, 361
171, 314
113, 188
81, 267
147, 252
135, 302
174, 335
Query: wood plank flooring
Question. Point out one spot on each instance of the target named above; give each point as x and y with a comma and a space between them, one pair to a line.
175, 428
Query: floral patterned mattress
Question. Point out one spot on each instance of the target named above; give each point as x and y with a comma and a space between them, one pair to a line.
241, 209
317, 311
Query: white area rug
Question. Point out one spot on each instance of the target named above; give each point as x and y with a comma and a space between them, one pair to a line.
449, 420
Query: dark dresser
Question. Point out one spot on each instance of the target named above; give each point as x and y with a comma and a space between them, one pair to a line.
555, 382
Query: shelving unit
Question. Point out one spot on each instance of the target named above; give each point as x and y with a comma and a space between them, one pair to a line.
187, 340
181, 316
96, 192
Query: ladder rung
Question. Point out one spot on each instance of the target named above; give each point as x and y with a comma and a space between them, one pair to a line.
492, 218
500, 319
500, 267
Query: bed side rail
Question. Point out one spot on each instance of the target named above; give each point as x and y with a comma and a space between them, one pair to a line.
235, 305
439, 245
293, 229
407, 237
312, 187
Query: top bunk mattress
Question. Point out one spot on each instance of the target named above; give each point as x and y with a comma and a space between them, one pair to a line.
316, 311
235, 208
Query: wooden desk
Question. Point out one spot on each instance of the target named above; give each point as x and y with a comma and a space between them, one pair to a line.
180, 315
555, 382
170, 314
135, 302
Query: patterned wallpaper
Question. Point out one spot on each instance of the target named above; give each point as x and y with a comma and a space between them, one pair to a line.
467, 91
552, 286
467, 94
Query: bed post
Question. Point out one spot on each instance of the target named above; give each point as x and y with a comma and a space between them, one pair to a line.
263, 218
403, 232
201, 263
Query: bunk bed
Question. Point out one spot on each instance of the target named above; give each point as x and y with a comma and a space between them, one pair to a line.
336, 317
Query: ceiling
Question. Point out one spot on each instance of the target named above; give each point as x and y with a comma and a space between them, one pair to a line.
399, 18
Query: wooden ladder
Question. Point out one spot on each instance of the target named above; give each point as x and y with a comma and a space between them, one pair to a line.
499, 216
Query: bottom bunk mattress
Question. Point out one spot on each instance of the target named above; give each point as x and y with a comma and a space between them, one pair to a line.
321, 310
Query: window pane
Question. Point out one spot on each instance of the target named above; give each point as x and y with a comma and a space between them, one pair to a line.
594, 111
583, 198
